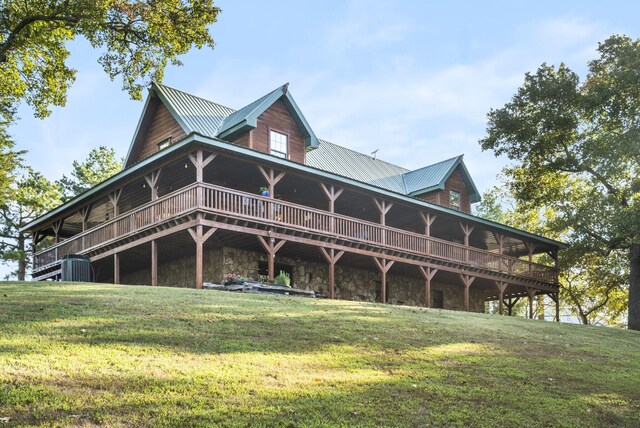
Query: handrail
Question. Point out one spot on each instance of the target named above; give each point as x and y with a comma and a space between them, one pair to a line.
243, 204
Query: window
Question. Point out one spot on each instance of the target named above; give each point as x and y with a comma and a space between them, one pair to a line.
279, 145
454, 200
164, 143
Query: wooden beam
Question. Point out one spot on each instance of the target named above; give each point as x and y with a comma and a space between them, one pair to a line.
116, 268
271, 247
331, 256
502, 286
427, 221
332, 193
154, 262
532, 294
383, 265
556, 299
152, 182
271, 178
200, 237
428, 274
114, 198
57, 226
200, 163
467, 280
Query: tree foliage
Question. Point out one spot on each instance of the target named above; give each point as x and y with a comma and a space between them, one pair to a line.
577, 151
101, 164
593, 286
31, 195
138, 38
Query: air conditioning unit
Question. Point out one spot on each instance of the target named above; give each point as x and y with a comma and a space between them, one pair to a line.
75, 267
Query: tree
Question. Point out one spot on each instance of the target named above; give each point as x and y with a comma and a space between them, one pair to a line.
30, 196
101, 164
138, 38
577, 151
593, 285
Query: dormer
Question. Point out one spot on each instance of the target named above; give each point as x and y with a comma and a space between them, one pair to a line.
272, 124
446, 183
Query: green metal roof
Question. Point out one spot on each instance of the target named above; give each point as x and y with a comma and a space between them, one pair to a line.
358, 166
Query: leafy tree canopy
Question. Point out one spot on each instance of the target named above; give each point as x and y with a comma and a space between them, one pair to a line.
101, 164
138, 38
31, 195
576, 145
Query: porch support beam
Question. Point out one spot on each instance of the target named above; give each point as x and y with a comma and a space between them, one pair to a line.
152, 182
331, 256
502, 286
271, 247
510, 304
466, 230
154, 262
57, 226
532, 295
84, 214
427, 273
556, 299
383, 265
114, 198
383, 208
199, 236
200, 162
332, 193
271, 178
467, 280
116, 268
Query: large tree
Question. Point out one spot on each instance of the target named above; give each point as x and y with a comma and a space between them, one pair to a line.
101, 164
593, 286
31, 195
576, 146
137, 38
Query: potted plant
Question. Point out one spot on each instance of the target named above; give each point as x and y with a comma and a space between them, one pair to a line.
264, 191
283, 279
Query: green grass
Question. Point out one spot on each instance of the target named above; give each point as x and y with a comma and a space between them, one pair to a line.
87, 355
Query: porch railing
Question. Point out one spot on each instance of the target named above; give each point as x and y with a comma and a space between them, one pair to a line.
245, 205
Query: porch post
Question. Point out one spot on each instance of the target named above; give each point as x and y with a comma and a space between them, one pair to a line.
331, 256
84, 214
466, 229
116, 268
383, 208
428, 274
383, 265
332, 193
532, 294
467, 280
200, 237
556, 299
154, 262
152, 181
271, 247
57, 226
114, 198
271, 178
200, 162
530, 248
427, 221
501, 287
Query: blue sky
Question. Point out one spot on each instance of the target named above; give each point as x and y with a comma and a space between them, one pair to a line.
412, 79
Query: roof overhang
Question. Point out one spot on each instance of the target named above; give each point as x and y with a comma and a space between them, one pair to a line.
195, 139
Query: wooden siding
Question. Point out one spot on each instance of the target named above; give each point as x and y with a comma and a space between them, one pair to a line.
162, 125
244, 140
454, 182
278, 118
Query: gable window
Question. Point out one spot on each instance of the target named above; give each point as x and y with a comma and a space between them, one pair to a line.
278, 144
454, 200
164, 143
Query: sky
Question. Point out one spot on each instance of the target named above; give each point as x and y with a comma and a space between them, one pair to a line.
412, 79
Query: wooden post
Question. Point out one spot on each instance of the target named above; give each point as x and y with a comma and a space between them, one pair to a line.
84, 214
501, 287
532, 294
556, 299
428, 274
530, 248
154, 262
116, 268
510, 304
384, 265
57, 226
152, 181
114, 197
331, 256
332, 193
383, 208
271, 178
466, 229
427, 221
200, 162
200, 237
467, 280
271, 247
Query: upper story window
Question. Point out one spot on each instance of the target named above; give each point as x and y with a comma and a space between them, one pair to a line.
164, 143
279, 144
454, 200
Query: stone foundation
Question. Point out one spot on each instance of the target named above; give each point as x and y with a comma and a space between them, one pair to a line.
351, 283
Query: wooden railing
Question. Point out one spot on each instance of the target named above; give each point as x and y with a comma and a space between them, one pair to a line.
245, 205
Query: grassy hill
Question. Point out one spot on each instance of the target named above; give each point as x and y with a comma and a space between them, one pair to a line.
88, 354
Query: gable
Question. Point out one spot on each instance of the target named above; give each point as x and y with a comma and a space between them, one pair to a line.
455, 182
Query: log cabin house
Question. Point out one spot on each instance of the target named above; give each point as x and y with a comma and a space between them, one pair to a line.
190, 206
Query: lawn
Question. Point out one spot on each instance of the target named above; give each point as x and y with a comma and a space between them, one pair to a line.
89, 354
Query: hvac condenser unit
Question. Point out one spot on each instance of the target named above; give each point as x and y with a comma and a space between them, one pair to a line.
75, 267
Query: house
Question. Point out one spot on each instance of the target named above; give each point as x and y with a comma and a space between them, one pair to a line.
189, 207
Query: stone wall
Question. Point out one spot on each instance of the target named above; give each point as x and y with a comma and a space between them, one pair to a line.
351, 283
